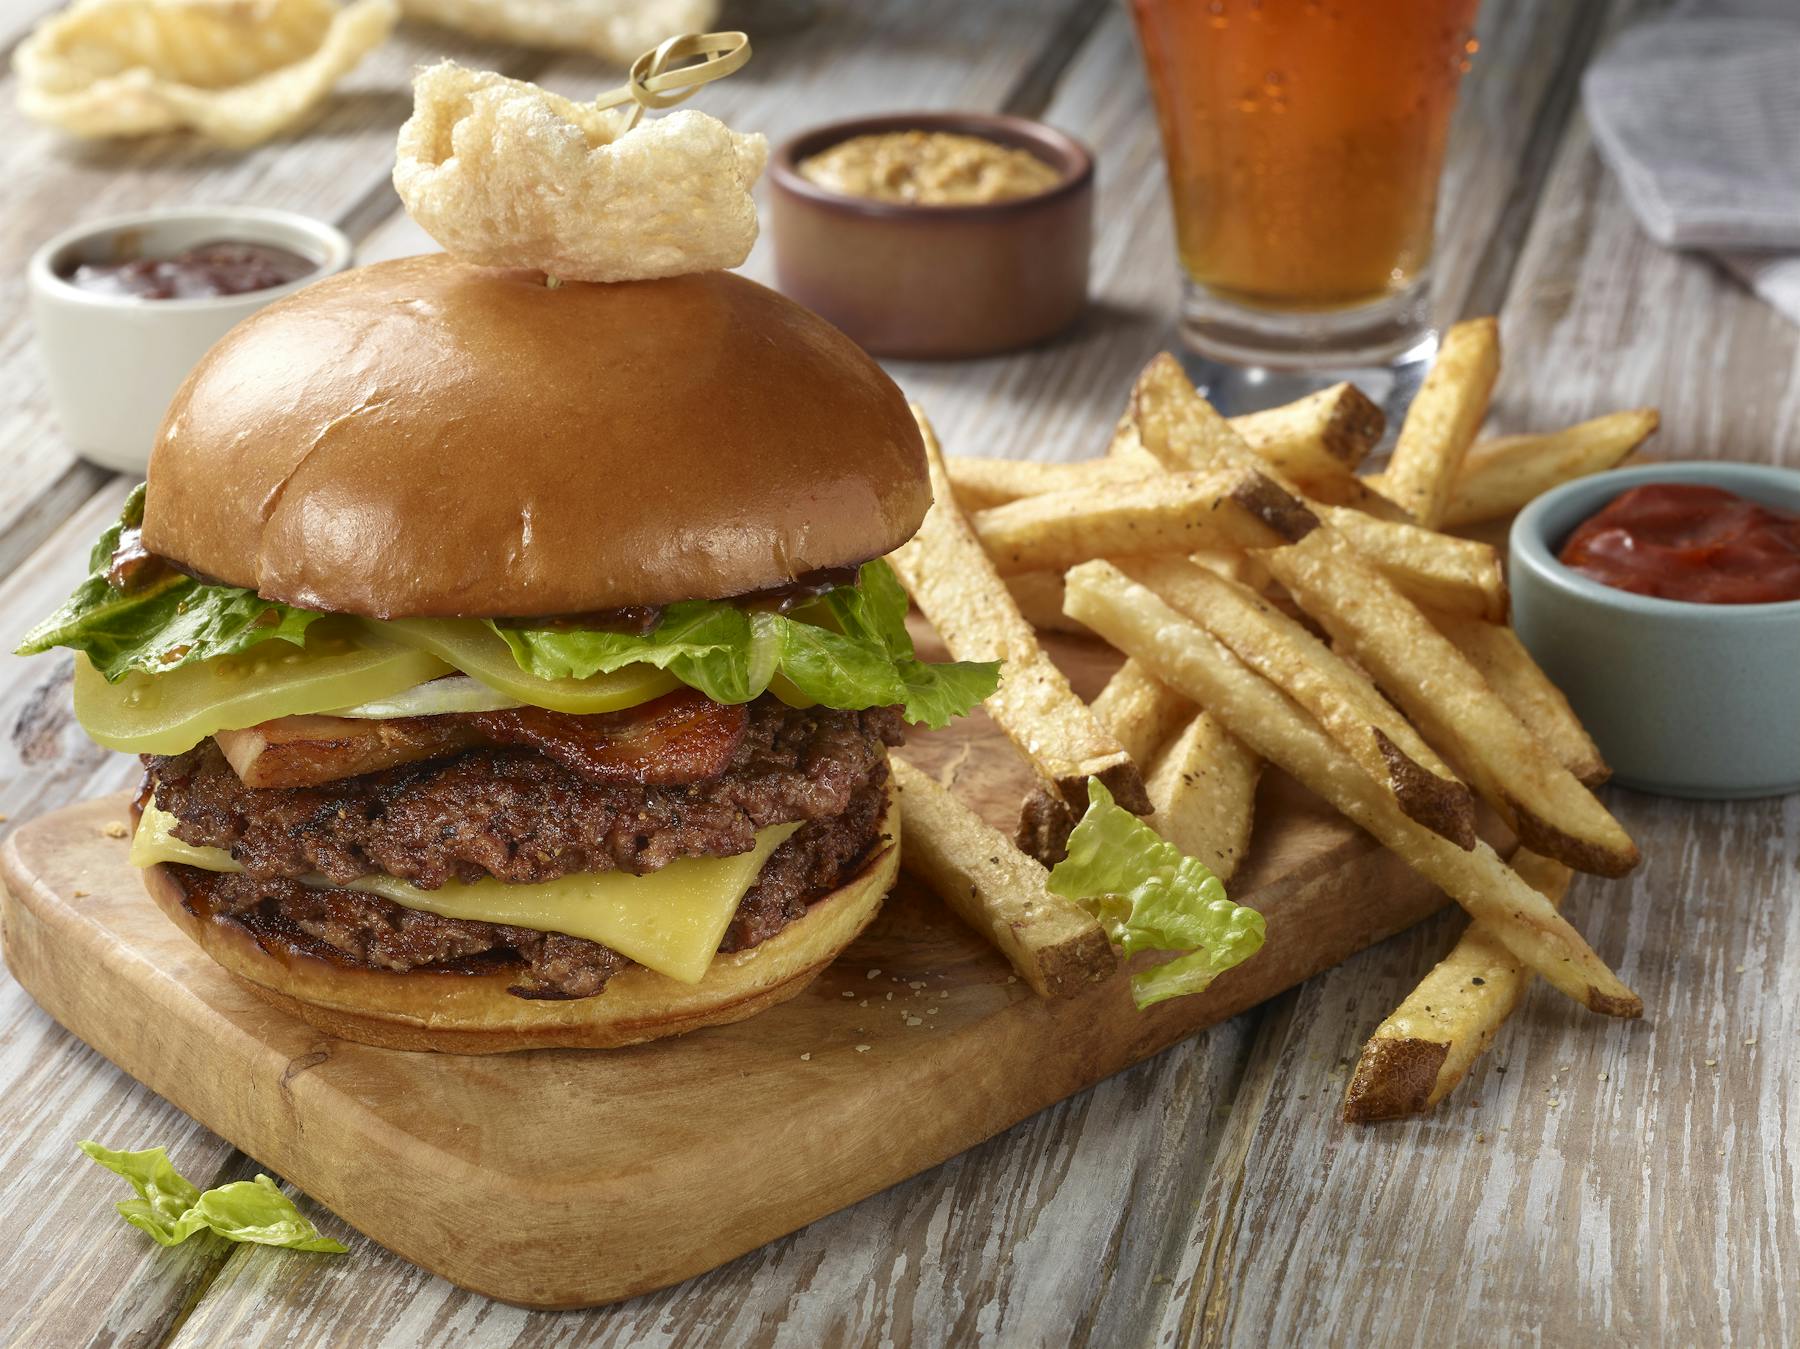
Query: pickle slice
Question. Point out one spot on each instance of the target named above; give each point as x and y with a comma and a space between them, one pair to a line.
342, 663
784, 688
475, 649
454, 693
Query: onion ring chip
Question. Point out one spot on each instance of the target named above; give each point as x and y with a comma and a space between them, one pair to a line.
505, 174
236, 71
615, 30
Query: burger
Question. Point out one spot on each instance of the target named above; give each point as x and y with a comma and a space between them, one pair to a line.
513, 663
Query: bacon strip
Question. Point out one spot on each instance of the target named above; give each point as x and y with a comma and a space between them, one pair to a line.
679, 738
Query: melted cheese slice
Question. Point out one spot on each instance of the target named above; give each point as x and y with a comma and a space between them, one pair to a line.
671, 921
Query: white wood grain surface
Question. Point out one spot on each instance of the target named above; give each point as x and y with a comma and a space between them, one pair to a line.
1592, 1184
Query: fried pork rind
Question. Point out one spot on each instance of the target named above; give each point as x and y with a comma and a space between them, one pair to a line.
236, 71
505, 174
616, 30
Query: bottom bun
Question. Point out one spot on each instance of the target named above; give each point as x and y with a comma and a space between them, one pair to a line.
474, 1014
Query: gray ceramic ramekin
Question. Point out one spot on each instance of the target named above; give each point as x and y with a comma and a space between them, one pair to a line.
1697, 700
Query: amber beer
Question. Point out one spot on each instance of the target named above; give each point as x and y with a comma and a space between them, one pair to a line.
1304, 141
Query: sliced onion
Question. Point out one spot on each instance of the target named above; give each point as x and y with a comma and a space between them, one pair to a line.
452, 693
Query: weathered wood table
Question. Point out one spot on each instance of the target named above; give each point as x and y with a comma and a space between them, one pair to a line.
1594, 1183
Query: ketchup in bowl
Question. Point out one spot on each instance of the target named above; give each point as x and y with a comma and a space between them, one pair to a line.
1685, 541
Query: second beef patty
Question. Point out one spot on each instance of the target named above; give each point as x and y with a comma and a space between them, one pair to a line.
519, 816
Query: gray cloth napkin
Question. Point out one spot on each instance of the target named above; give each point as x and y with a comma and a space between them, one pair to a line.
1699, 116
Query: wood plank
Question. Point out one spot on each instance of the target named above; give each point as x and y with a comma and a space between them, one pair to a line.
112, 1283
1056, 1224
1601, 317
1512, 111
73, 1270
1599, 1184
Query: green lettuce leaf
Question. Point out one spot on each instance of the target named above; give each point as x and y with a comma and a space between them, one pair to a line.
1149, 896
849, 649
171, 1209
728, 653
160, 626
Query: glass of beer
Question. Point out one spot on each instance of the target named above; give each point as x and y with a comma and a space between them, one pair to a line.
1304, 141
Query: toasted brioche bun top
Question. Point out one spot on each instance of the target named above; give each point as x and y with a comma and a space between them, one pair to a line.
422, 438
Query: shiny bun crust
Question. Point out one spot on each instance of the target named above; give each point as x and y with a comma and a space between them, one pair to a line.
474, 1014
422, 438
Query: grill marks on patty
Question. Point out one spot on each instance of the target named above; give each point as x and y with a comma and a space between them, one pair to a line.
520, 816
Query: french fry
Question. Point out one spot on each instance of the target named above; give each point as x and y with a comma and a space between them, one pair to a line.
983, 483
1446, 574
1039, 595
1203, 788
1316, 444
1054, 944
1225, 507
1339, 423
1046, 819
1182, 430
1185, 657
1126, 441
1140, 712
1417, 1056
955, 585
1317, 440
1344, 489
1511, 672
1239, 567
1451, 704
1448, 410
1203, 783
1336, 694
980, 483
1500, 476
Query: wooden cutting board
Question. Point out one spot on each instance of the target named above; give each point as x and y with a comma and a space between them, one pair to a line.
563, 1178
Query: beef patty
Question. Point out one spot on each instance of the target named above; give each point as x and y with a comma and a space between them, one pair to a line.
517, 815
358, 930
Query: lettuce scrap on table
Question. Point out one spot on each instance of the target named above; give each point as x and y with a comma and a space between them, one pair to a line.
171, 1208
1149, 896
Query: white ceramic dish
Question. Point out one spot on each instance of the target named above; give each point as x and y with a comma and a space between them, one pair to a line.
114, 362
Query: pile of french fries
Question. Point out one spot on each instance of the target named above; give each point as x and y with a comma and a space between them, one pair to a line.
1275, 606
